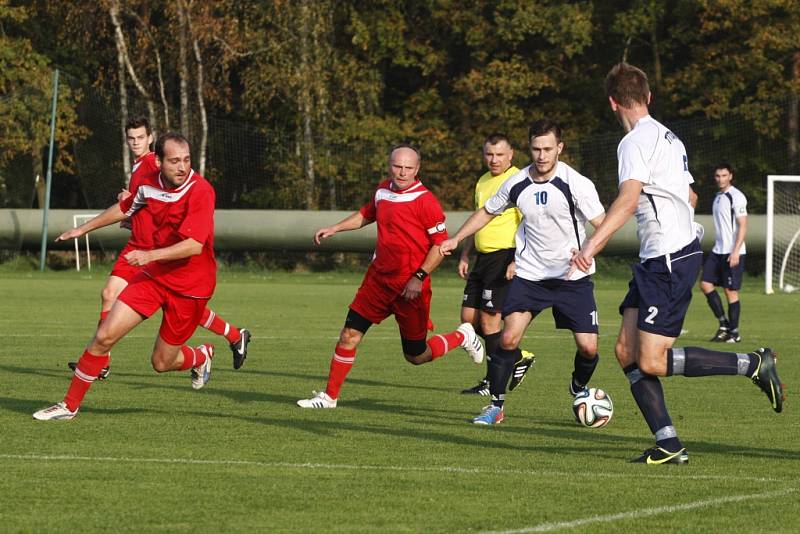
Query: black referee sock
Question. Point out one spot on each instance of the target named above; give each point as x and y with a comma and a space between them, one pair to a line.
697, 361
734, 309
715, 303
501, 367
491, 342
583, 369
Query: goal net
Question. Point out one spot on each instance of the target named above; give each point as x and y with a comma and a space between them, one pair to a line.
783, 234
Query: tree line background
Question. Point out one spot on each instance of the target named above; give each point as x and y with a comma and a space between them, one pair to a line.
293, 104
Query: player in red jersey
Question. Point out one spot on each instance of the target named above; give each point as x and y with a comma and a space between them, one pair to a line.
410, 225
144, 170
178, 275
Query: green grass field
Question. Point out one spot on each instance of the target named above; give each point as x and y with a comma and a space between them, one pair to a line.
148, 453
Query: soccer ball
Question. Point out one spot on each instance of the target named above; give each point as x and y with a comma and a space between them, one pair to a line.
789, 288
593, 408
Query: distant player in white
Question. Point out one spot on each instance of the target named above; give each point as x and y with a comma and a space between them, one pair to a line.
654, 184
556, 202
724, 266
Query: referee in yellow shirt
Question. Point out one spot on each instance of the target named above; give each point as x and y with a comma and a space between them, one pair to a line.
490, 277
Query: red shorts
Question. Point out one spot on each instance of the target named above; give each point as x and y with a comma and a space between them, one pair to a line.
181, 314
122, 268
379, 297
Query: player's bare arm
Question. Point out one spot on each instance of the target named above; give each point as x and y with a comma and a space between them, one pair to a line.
122, 195
692, 197
511, 270
414, 285
476, 221
354, 221
733, 259
178, 251
621, 210
111, 215
463, 261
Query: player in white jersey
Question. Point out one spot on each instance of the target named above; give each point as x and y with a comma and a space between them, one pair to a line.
654, 184
556, 202
724, 266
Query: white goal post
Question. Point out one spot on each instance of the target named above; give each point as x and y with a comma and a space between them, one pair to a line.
783, 234
77, 220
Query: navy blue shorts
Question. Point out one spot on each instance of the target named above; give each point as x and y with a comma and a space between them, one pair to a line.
717, 271
572, 301
662, 289
487, 286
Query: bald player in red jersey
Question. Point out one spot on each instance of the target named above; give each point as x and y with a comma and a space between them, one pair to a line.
178, 275
410, 225
144, 170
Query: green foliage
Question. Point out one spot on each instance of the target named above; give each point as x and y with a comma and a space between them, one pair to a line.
330, 85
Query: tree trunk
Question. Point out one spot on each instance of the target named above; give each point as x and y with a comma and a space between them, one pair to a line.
656, 55
123, 94
38, 175
201, 104
183, 67
306, 104
793, 123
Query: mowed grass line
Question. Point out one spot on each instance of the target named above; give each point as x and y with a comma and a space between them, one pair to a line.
147, 453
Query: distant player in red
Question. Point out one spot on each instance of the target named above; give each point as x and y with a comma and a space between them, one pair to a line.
145, 171
410, 225
178, 275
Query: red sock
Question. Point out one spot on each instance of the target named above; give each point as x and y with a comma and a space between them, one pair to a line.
89, 366
441, 344
192, 357
341, 363
210, 321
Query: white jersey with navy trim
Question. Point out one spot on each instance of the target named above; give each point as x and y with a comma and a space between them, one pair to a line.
653, 155
728, 206
554, 216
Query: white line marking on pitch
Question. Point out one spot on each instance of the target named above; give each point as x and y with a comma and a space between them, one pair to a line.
644, 512
350, 467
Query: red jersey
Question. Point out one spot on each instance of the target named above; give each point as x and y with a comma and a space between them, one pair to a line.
409, 223
142, 228
178, 214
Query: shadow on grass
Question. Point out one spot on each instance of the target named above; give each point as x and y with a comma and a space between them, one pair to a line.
329, 423
357, 381
28, 406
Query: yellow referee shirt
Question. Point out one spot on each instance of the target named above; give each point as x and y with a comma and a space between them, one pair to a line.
499, 233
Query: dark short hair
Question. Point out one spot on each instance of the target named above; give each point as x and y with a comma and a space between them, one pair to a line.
544, 127
495, 138
137, 122
169, 136
723, 165
627, 85
405, 145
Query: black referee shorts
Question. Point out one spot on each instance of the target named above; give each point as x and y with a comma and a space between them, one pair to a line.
487, 286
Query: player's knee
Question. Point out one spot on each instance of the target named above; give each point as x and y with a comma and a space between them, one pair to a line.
415, 351
621, 352
649, 366
159, 364
509, 341
490, 322
414, 360
103, 340
349, 338
588, 350
109, 295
